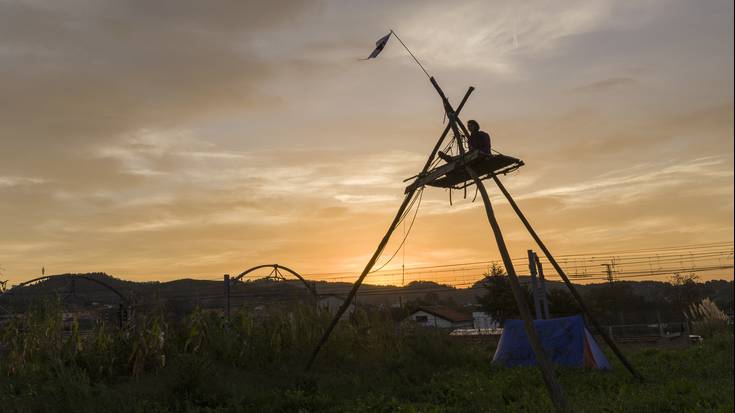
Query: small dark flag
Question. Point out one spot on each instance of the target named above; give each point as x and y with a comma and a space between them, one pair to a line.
379, 45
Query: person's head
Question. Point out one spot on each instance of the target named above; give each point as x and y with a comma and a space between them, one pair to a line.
473, 126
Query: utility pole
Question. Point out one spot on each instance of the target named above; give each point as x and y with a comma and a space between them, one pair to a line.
227, 298
609, 270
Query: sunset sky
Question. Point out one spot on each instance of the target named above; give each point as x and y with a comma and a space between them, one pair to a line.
181, 138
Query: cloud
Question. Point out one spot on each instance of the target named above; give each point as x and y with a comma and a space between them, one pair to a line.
364, 199
177, 137
626, 185
80, 73
604, 85
487, 35
9, 181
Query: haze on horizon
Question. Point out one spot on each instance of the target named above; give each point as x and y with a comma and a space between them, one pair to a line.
155, 141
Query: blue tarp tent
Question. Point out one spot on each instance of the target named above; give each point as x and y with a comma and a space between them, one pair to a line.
566, 340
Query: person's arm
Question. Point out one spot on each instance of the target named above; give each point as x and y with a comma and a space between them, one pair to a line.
472, 141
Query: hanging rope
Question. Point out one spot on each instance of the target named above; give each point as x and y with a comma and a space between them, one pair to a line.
410, 206
403, 258
402, 218
405, 237
448, 149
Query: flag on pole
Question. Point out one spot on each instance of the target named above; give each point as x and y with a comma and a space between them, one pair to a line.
379, 45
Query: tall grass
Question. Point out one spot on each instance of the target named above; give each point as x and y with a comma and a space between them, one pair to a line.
281, 339
706, 318
370, 364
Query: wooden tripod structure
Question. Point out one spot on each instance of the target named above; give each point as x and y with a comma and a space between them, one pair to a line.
461, 172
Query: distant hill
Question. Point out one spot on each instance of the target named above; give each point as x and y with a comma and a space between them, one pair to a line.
208, 293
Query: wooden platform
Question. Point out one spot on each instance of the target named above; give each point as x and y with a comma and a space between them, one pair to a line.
454, 175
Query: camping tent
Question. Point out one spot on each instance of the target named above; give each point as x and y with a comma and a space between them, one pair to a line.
566, 340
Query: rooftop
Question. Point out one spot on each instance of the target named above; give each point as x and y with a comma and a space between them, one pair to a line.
445, 313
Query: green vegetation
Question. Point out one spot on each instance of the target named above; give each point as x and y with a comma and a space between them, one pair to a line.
619, 302
370, 365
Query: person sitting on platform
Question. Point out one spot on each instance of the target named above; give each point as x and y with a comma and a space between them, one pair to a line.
478, 140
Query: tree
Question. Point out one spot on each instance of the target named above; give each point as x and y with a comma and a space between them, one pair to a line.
499, 301
617, 303
686, 290
3, 284
495, 269
430, 298
562, 303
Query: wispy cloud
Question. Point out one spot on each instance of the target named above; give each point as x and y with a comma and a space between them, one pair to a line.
625, 185
13, 181
604, 85
489, 36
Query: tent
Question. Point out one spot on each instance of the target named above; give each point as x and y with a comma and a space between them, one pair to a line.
566, 340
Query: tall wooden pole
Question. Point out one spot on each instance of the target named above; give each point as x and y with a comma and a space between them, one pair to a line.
568, 283
547, 369
446, 130
452, 115
544, 293
534, 285
359, 281
407, 198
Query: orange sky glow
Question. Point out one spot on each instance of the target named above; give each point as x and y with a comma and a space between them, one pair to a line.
156, 141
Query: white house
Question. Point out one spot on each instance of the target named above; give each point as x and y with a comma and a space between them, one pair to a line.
440, 317
331, 303
483, 320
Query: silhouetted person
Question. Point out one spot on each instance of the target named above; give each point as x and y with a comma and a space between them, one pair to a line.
478, 139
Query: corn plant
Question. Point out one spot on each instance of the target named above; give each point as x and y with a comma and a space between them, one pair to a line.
148, 339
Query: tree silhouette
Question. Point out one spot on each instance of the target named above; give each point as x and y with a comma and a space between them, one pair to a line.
499, 301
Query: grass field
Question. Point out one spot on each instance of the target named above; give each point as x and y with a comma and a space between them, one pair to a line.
370, 365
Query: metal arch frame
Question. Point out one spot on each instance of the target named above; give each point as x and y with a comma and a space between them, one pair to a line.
228, 283
124, 301
83, 277
277, 267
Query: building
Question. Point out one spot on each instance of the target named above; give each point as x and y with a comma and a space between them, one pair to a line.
331, 303
483, 320
440, 317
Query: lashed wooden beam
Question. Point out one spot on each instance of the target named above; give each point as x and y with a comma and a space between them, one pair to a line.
406, 199
568, 283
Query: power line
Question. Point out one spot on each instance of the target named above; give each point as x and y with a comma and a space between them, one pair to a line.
696, 258
592, 257
620, 261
